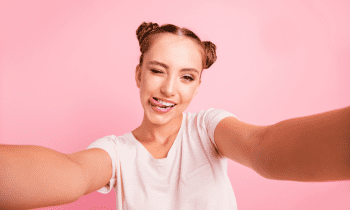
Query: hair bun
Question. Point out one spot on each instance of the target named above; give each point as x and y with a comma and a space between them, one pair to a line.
144, 29
210, 53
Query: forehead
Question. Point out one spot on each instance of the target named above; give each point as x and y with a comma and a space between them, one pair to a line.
174, 50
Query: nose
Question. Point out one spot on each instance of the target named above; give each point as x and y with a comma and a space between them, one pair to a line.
169, 86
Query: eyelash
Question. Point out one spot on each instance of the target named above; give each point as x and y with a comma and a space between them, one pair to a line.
189, 78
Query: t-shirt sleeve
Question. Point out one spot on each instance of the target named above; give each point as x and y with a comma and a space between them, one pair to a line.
212, 118
109, 145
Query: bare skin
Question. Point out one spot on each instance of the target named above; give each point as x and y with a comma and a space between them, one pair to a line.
169, 79
312, 148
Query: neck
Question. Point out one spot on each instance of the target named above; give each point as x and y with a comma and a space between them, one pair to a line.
148, 132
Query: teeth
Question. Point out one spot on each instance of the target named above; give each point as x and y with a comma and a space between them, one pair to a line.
165, 103
162, 108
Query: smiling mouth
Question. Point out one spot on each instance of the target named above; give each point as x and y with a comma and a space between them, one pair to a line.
161, 104
160, 100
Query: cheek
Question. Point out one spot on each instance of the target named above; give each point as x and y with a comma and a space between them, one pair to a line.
149, 85
187, 94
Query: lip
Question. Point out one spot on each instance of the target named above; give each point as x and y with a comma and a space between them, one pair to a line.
156, 109
162, 99
153, 103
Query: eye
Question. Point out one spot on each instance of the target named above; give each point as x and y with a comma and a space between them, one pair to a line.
156, 71
189, 78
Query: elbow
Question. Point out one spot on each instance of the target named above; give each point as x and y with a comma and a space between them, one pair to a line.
262, 162
262, 165
79, 185
268, 158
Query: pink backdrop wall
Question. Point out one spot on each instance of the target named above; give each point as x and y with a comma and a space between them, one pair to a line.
67, 77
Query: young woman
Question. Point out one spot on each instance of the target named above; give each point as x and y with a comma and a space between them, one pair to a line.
177, 160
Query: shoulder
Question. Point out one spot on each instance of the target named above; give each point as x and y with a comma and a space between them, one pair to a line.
205, 121
209, 118
213, 113
210, 114
111, 141
104, 141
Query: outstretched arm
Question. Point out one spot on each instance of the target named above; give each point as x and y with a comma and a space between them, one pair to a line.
312, 148
35, 176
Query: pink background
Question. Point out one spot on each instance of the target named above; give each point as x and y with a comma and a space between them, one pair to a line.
67, 77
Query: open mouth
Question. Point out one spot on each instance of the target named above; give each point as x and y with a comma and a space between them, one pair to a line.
161, 104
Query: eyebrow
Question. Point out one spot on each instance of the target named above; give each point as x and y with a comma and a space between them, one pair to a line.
167, 67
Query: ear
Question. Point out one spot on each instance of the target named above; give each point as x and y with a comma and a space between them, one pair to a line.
138, 76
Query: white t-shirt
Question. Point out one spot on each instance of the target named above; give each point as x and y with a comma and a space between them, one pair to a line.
192, 176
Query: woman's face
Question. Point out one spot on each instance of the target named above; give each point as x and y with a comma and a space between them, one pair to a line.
169, 77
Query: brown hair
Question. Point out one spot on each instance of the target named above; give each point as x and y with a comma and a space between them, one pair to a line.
146, 31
